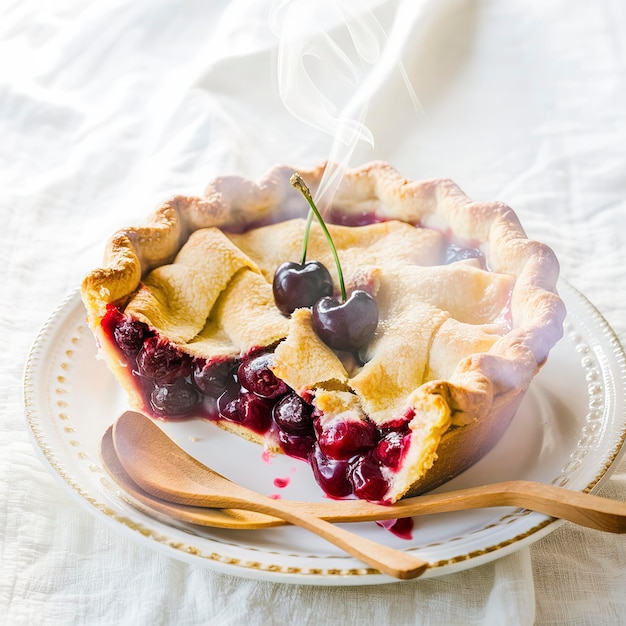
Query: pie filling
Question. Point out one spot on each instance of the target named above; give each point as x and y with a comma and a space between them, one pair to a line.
350, 454
347, 457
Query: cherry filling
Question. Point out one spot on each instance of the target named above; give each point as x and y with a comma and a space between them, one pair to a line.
347, 457
455, 253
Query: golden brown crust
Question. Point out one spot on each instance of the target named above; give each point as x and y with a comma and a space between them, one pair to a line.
480, 391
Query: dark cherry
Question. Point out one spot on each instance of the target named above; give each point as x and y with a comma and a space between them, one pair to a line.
331, 474
342, 439
457, 253
298, 285
226, 402
212, 377
298, 446
247, 409
162, 361
129, 336
390, 449
367, 479
293, 415
177, 398
349, 325
255, 375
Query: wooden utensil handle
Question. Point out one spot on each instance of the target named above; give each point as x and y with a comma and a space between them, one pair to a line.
581, 508
396, 563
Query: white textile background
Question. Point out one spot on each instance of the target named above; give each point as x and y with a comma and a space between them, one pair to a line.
107, 108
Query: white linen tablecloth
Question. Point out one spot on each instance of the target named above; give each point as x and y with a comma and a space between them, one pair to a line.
107, 108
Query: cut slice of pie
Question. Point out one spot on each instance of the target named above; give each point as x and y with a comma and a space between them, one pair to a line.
184, 314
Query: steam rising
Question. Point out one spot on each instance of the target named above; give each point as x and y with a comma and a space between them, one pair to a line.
333, 55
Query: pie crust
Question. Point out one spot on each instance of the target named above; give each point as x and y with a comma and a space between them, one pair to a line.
457, 344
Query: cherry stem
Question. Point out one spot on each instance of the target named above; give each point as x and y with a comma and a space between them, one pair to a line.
305, 240
297, 181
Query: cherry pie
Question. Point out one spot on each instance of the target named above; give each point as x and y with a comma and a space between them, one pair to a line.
184, 313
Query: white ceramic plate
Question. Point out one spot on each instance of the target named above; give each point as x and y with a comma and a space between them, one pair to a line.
568, 431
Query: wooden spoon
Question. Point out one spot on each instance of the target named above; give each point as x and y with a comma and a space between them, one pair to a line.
584, 509
153, 461
202, 516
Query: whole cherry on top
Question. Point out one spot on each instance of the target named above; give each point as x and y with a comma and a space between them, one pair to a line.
348, 324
